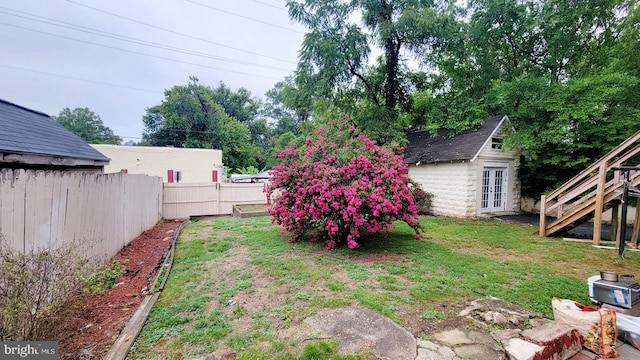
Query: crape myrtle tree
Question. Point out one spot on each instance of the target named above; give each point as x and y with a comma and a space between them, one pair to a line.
339, 186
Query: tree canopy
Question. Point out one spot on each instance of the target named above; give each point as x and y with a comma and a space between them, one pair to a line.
87, 125
335, 61
190, 117
563, 71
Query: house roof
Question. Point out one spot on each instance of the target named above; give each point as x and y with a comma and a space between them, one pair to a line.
27, 132
427, 149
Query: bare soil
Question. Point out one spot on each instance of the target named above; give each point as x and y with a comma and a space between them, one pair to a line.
97, 320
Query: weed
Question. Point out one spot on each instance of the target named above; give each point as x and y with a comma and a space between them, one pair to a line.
239, 342
336, 286
104, 277
433, 314
303, 296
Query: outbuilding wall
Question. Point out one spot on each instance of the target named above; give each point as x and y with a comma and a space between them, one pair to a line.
453, 186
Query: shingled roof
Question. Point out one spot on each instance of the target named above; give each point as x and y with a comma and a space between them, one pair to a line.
426, 149
25, 132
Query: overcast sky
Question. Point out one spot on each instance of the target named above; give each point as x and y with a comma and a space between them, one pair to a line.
117, 57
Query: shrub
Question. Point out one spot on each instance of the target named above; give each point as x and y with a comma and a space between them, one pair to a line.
35, 289
421, 198
339, 185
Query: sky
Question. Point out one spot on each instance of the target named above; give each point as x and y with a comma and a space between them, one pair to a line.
117, 57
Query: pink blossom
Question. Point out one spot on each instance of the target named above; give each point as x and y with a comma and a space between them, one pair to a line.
344, 181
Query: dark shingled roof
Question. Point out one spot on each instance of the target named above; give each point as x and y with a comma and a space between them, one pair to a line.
25, 131
465, 146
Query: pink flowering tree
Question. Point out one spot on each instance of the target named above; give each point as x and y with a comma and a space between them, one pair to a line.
339, 186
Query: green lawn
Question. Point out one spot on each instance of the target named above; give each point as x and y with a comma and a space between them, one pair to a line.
238, 284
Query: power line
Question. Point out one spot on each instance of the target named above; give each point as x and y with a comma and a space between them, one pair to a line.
182, 34
139, 53
269, 5
97, 32
80, 79
244, 17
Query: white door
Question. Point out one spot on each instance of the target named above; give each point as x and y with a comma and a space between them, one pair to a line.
494, 190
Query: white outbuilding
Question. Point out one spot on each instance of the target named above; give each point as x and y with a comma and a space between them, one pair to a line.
470, 174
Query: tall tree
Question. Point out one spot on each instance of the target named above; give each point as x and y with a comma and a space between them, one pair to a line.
335, 63
87, 125
549, 66
189, 117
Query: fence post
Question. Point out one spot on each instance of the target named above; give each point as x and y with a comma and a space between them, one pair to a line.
543, 216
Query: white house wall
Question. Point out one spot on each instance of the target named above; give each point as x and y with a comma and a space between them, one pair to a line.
453, 186
195, 165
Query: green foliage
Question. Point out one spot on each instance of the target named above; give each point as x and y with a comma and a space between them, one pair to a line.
104, 277
554, 67
87, 125
190, 117
250, 170
335, 67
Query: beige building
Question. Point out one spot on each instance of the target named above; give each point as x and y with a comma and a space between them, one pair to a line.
172, 164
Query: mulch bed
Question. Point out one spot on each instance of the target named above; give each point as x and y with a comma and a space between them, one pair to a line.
96, 320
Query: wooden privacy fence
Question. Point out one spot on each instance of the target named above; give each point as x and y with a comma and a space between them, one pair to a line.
101, 213
184, 200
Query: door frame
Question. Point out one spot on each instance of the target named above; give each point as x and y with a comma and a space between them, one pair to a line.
494, 166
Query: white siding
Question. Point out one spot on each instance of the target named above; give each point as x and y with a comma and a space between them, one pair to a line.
195, 165
453, 185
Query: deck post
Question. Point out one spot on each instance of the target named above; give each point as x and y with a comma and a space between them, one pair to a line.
543, 216
636, 228
597, 221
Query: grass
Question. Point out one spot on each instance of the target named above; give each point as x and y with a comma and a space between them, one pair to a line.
237, 284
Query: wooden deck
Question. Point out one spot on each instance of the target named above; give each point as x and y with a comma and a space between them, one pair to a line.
590, 193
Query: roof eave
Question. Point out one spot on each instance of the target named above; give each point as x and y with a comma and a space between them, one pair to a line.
488, 139
33, 159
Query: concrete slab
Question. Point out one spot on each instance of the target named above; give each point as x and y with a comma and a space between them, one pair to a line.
479, 351
518, 349
431, 350
453, 337
358, 330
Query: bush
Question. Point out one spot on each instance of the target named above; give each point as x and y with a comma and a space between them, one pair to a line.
421, 198
35, 289
339, 185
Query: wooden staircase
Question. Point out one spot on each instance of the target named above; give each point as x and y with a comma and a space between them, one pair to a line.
590, 193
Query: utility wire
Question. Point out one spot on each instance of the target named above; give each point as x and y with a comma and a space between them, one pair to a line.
140, 53
80, 79
244, 17
88, 30
182, 34
269, 5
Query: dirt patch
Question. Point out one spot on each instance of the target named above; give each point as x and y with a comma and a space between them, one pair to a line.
97, 320
420, 327
369, 259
